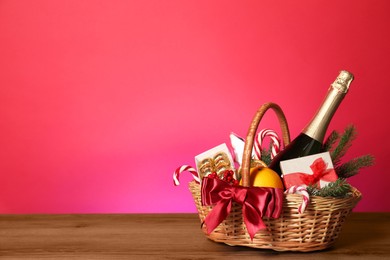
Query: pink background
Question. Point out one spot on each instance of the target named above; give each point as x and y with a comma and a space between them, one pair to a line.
100, 101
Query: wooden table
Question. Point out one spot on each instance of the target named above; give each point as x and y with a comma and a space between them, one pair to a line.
165, 236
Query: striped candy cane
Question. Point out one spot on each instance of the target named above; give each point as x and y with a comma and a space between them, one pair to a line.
184, 168
305, 196
259, 140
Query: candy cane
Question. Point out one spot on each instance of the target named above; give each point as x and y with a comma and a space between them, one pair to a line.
259, 140
305, 196
184, 168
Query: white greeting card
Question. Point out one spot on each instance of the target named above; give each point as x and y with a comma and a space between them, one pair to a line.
314, 169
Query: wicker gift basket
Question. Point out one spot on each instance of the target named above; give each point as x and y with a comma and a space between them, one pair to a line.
316, 228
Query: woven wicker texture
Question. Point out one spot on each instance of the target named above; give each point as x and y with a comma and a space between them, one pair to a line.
315, 229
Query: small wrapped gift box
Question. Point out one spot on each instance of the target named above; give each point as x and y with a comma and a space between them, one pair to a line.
314, 169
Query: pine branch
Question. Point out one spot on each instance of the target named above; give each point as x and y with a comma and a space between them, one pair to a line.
266, 155
339, 189
353, 166
344, 144
330, 141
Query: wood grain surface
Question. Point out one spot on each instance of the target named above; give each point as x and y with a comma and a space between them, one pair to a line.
165, 236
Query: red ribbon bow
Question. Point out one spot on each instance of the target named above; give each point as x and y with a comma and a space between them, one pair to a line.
319, 173
257, 202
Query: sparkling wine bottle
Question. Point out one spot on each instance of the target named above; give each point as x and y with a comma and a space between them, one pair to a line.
310, 140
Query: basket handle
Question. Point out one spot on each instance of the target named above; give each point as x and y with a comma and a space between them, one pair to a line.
246, 158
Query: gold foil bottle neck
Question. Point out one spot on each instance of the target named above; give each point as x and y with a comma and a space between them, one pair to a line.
343, 81
316, 129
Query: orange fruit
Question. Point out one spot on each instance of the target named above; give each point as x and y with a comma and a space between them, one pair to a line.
264, 177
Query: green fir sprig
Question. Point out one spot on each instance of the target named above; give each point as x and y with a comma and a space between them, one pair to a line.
344, 143
266, 155
352, 167
338, 144
330, 141
338, 189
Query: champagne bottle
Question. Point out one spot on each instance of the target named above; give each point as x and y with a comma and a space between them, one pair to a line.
310, 140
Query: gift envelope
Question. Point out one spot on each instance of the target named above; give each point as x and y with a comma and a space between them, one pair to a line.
314, 169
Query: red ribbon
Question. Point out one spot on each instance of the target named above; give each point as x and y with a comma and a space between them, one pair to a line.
319, 173
257, 202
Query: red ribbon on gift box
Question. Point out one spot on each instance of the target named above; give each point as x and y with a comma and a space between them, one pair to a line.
257, 202
320, 172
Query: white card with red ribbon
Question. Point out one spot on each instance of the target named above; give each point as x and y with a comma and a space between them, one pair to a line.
314, 170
